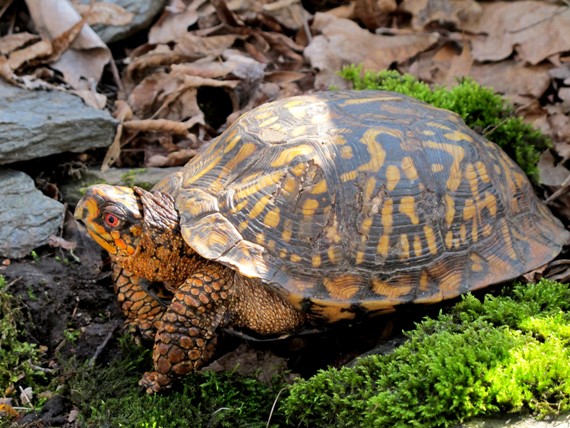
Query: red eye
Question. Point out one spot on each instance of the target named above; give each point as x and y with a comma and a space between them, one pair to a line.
112, 220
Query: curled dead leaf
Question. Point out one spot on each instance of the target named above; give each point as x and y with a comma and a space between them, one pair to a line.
58, 242
177, 158
37, 51
104, 13
11, 42
157, 125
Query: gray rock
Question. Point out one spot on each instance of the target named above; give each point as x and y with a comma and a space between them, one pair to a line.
27, 217
143, 177
144, 12
35, 124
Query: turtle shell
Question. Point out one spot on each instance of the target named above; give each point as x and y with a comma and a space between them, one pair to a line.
358, 201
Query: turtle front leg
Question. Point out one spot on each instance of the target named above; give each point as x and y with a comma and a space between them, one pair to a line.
142, 310
186, 339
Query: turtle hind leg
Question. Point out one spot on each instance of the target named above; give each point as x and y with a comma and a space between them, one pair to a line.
257, 308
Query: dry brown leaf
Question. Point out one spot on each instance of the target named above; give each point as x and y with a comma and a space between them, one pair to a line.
195, 47
425, 12
91, 98
226, 15
104, 13
59, 242
343, 42
172, 25
559, 123
177, 158
205, 67
289, 13
83, 63
556, 177
460, 66
284, 76
513, 78
374, 14
536, 30
12, 42
157, 125
6, 72
552, 172
114, 150
122, 111
161, 56
39, 50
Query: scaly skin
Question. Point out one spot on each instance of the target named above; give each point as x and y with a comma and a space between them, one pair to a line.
142, 310
140, 231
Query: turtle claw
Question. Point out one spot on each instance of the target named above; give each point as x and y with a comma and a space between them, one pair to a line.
154, 382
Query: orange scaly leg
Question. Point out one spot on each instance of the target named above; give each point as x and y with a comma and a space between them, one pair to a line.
186, 335
142, 310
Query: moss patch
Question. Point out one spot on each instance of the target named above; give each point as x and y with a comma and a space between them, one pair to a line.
505, 354
110, 396
19, 359
481, 109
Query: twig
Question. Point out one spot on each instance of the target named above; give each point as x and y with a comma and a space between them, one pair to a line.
102, 346
5, 8
563, 189
273, 407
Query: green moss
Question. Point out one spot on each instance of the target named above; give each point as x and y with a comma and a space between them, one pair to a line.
110, 396
506, 354
482, 109
129, 179
19, 359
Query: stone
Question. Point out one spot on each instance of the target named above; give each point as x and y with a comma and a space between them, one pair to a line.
27, 217
40, 123
144, 12
146, 178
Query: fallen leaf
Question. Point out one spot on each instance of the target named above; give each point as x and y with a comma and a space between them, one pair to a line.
513, 78
11, 42
284, 76
104, 13
552, 172
58, 242
91, 98
443, 12
20, 57
194, 47
178, 158
536, 30
81, 55
460, 66
289, 13
171, 26
343, 42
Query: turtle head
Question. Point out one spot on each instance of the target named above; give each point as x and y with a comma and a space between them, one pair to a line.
113, 216
139, 229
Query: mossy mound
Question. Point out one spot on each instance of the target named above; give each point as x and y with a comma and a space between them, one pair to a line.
481, 109
506, 354
110, 396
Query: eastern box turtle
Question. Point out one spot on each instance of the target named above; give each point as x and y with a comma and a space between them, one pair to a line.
321, 207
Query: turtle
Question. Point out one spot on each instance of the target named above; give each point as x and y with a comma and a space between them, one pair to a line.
311, 210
